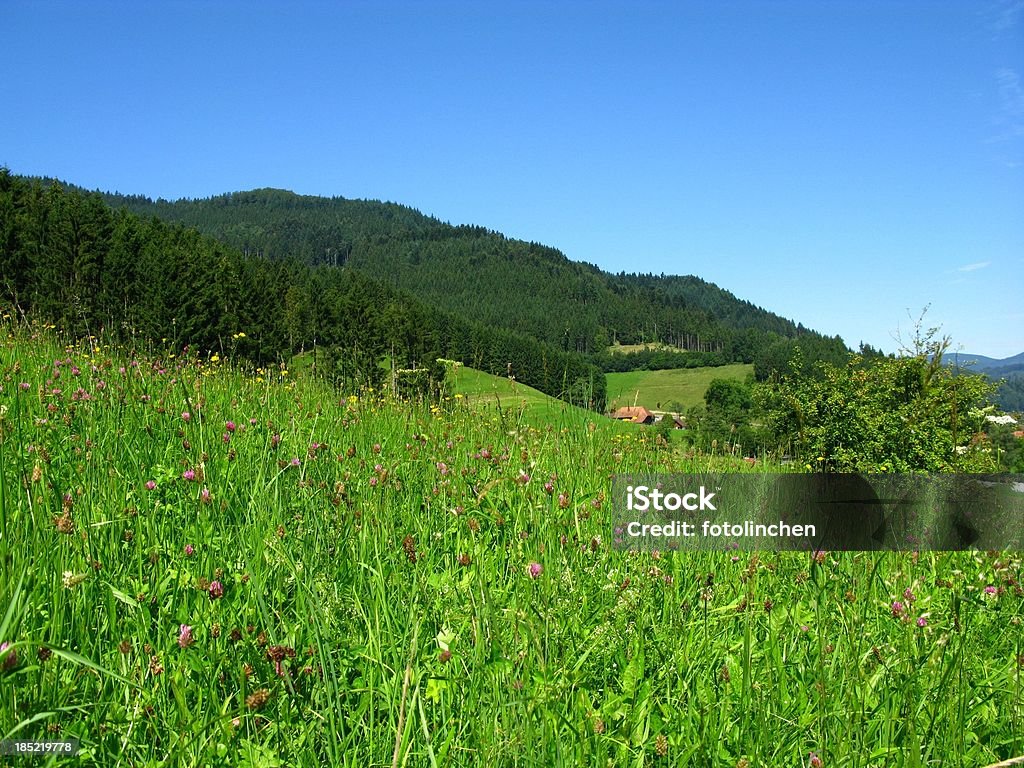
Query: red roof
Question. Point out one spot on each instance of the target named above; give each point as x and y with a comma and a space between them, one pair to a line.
636, 414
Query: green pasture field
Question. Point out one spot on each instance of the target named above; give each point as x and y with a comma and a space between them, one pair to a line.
510, 400
676, 385
205, 565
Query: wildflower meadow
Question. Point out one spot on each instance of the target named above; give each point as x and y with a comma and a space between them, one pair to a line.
204, 564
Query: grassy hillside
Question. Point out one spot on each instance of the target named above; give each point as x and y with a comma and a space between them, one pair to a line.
204, 566
515, 403
684, 386
497, 394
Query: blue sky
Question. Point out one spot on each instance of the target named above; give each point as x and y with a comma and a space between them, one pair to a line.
841, 163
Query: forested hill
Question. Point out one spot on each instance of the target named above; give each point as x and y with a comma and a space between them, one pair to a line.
68, 258
482, 275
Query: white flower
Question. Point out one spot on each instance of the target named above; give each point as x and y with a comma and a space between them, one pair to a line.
1003, 418
72, 580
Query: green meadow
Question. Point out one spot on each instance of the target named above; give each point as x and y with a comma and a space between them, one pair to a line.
203, 564
504, 395
507, 399
685, 386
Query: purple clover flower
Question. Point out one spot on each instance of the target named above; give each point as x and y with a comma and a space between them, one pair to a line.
8, 659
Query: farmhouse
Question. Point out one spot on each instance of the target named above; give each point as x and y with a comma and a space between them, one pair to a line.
635, 414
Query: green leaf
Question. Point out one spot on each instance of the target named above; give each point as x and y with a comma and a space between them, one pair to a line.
9, 613
444, 638
634, 671
435, 688
124, 598
76, 658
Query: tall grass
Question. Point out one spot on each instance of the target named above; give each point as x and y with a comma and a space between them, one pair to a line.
402, 585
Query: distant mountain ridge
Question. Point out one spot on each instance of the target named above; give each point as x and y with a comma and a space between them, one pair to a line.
1009, 370
983, 364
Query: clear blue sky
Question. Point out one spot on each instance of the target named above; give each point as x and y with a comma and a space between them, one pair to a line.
837, 162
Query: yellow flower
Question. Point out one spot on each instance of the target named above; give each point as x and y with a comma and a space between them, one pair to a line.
215, 359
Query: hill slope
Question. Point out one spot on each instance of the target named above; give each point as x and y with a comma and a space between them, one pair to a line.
668, 389
68, 259
1009, 370
480, 274
512, 400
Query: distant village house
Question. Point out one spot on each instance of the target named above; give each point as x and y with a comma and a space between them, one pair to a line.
635, 414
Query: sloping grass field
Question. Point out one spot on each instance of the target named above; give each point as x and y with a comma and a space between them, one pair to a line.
685, 386
204, 565
508, 399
